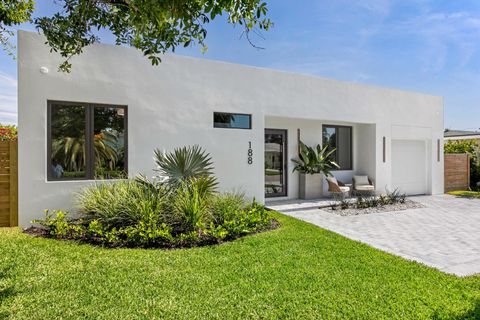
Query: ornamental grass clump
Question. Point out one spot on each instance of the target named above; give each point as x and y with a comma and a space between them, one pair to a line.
184, 209
122, 203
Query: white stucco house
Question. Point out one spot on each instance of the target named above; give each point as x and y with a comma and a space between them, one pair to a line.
249, 119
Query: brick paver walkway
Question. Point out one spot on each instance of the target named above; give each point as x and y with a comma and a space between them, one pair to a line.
444, 235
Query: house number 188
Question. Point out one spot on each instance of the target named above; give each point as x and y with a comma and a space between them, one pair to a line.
250, 153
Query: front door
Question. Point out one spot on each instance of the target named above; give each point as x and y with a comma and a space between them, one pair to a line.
275, 163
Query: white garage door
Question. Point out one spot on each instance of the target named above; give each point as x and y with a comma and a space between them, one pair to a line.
409, 166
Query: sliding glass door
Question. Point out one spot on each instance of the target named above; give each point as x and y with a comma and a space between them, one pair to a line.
275, 163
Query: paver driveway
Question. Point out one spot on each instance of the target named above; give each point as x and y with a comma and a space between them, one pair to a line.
444, 235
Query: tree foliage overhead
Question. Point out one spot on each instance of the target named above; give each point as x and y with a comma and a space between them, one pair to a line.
13, 12
152, 26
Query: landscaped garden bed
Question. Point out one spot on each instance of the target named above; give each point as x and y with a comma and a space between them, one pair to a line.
179, 207
389, 202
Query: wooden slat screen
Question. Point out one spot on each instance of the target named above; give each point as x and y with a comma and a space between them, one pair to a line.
457, 172
8, 183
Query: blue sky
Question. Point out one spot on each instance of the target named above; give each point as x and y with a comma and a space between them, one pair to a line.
430, 46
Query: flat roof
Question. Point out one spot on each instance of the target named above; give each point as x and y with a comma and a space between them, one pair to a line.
462, 134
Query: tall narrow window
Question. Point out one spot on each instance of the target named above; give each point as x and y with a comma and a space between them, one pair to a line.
340, 139
86, 141
109, 142
67, 141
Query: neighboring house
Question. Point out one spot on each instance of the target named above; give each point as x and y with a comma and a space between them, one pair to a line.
460, 135
249, 119
450, 135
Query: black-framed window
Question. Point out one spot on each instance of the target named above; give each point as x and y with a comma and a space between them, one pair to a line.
232, 120
86, 141
340, 138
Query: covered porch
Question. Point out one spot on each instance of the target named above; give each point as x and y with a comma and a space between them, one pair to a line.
355, 145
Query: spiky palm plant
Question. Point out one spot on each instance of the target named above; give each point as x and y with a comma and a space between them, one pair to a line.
70, 151
104, 147
183, 164
315, 160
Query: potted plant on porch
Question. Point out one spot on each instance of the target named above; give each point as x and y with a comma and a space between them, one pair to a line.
312, 164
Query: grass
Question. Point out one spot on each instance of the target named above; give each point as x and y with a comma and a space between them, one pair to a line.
298, 271
465, 194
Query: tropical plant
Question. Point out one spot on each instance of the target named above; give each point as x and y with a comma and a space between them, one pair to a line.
315, 160
105, 149
225, 206
124, 203
70, 151
183, 164
191, 203
183, 210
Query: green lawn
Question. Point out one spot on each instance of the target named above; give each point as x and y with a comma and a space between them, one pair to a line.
297, 271
466, 194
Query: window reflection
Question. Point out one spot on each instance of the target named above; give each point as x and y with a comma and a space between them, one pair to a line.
109, 142
87, 141
68, 158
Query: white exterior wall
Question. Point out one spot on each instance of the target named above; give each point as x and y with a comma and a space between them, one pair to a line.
172, 105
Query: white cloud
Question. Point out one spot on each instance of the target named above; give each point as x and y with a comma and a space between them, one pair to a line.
378, 7
445, 37
8, 99
7, 81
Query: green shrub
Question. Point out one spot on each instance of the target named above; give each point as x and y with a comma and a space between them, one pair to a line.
150, 233
225, 206
58, 224
183, 210
252, 218
191, 204
472, 148
122, 203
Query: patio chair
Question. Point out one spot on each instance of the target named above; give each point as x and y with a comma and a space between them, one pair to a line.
363, 185
337, 188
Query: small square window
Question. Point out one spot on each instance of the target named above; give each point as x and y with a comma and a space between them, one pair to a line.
232, 120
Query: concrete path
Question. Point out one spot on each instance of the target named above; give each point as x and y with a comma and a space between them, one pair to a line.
444, 235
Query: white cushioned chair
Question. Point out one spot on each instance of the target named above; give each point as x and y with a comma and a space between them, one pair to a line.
363, 185
337, 188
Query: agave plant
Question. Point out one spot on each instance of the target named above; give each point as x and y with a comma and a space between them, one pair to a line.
315, 160
184, 164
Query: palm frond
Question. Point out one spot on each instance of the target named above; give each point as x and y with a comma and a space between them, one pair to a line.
185, 163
